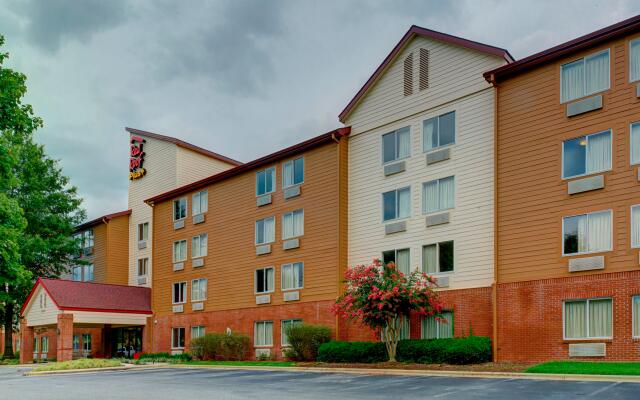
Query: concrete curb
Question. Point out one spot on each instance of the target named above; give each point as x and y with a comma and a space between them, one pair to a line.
125, 367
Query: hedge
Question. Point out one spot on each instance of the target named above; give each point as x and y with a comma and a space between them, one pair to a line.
467, 350
304, 341
220, 346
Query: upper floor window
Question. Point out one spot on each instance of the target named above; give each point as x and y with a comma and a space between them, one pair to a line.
88, 238
437, 257
635, 226
438, 195
396, 145
401, 258
143, 231
199, 245
200, 203
143, 266
585, 76
266, 181
77, 274
439, 131
634, 60
292, 276
179, 251
88, 273
635, 143
199, 289
179, 293
293, 172
293, 224
586, 155
588, 319
180, 208
587, 233
396, 204
438, 329
266, 230
265, 280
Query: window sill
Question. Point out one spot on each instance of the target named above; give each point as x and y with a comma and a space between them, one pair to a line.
587, 253
571, 341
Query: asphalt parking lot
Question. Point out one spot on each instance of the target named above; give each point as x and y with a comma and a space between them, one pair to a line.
161, 384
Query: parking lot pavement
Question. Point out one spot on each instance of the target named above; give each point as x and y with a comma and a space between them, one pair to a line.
161, 384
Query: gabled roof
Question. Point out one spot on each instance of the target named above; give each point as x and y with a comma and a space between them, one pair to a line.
101, 220
334, 135
573, 46
96, 297
184, 145
427, 33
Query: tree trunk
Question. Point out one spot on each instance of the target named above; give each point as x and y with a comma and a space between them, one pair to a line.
391, 336
8, 330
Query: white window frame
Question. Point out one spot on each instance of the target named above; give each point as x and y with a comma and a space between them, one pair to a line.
397, 157
631, 161
202, 250
440, 146
631, 43
184, 292
255, 333
564, 320
87, 272
586, 137
282, 329
424, 200
610, 211
264, 235
273, 180
143, 232
202, 293
203, 206
282, 272
438, 326
173, 332
284, 169
634, 334
397, 218
201, 329
186, 249
89, 238
73, 273
186, 208
437, 244
145, 263
255, 280
584, 83
633, 245
292, 213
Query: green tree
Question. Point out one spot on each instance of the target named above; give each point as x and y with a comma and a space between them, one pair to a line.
38, 193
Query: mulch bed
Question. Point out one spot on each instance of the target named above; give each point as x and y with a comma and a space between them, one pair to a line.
486, 367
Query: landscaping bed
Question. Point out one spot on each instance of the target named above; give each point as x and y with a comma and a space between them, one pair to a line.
586, 367
246, 363
84, 363
484, 367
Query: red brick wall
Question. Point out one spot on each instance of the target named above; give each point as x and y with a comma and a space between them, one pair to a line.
530, 316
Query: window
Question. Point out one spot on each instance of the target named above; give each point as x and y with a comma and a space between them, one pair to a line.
177, 338
143, 266
293, 224
143, 232
401, 258
396, 145
396, 204
636, 315
635, 143
264, 280
405, 329
292, 276
586, 155
88, 273
293, 172
199, 246
88, 238
266, 230
588, 319
77, 273
199, 289
179, 251
180, 209
200, 202
263, 333
635, 226
266, 181
76, 343
197, 332
45, 344
285, 324
438, 329
179, 292
86, 341
585, 76
634, 61
587, 233
437, 257
36, 345
439, 131
438, 195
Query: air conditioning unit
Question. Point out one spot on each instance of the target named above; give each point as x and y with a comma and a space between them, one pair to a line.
263, 353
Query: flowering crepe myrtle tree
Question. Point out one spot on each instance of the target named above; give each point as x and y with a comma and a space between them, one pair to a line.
380, 296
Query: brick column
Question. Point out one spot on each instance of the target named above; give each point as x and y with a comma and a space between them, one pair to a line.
26, 343
65, 337
147, 336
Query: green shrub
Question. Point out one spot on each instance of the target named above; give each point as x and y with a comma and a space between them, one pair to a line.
164, 357
220, 346
304, 341
467, 350
206, 347
234, 347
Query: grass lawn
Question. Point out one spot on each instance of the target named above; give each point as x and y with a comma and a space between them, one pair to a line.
587, 367
244, 363
78, 364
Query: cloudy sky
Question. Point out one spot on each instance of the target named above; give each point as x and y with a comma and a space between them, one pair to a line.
242, 78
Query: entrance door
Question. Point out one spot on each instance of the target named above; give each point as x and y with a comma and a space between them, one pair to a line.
127, 341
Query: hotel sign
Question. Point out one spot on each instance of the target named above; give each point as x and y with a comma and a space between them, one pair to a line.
136, 170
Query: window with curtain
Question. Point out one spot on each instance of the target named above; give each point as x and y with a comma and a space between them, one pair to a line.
293, 224
266, 230
293, 172
292, 276
199, 289
143, 231
401, 258
438, 329
585, 76
143, 266
396, 204
179, 291
263, 333
396, 145
86, 342
437, 257
586, 155
588, 319
88, 273
439, 131
265, 280
587, 233
177, 338
635, 143
438, 195
635, 226
284, 325
77, 274
200, 202
634, 60
199, 245
179, 251
635, 301
197, 332
266, 181
179, 209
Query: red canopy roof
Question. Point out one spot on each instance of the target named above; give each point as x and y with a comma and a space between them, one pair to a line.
99, 297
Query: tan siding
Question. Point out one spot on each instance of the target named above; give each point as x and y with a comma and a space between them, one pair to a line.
118, 251
99, 256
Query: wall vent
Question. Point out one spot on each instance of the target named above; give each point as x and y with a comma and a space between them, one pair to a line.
408, 75
424, 69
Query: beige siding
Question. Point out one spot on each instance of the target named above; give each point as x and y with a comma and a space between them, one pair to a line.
192, 166
37, 316
92, 317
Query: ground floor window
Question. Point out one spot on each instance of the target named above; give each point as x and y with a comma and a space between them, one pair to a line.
177, 338
36, 345
45, 344
86, 342
441, 328
263, 333
285, 325
588, 319
197, 331
636, 316
405, 329
76, 342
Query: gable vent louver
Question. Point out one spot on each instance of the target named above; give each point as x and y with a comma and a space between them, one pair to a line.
424, 69
408, 75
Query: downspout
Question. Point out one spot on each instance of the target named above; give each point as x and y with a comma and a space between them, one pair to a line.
494, 302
